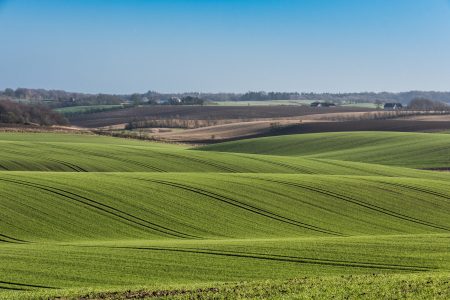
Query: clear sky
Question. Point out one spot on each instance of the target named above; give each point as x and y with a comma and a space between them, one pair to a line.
225, 45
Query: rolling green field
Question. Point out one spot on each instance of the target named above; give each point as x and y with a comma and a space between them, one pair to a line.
293, 217
415, 150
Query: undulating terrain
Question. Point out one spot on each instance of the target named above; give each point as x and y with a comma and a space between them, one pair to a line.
295, 217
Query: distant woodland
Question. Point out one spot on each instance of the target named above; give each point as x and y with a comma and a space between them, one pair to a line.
18, 113
36, 106
58, 98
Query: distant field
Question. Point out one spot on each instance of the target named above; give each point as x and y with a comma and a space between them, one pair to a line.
286, 102
253, 129
365, 105
85, 109
122, 116
400, 125
94, 217
417, 150
90, 153
263, 103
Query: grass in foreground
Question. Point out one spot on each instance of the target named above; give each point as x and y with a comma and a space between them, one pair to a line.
61, 269
147, 233
374, 286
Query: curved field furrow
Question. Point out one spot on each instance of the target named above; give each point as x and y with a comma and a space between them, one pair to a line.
8, 239
195, 206
417, 189
300, 170
416, 150
290, 259
22, 286
245, 206
70, 166
118, 157
217, 166
106, 209
86, 216
100, 154
364, 204
356, 168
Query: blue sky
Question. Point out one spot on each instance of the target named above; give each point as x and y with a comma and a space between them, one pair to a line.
225, 45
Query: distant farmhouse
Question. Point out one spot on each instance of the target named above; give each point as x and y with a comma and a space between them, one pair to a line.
171, 101
393, 106
162, 101
322, 104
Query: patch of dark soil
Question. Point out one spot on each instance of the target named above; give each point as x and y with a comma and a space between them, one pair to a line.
143, 294
365, 125
344, 126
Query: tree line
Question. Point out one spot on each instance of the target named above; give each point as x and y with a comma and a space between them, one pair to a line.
18, 113
59, 98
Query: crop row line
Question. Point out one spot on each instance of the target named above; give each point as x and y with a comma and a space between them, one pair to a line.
283, 258
103, 155
279, 164
105, 209
245, 206
202, 161
7, 239
361, 203
7, 285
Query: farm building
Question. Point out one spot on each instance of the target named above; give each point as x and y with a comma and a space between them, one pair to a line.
393, 106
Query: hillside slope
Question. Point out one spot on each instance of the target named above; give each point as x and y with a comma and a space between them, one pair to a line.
87, 153
415, 150
72, 207
82, 215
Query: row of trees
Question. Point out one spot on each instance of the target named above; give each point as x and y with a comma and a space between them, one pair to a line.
263, 96
427, 104
58, 98
18, 113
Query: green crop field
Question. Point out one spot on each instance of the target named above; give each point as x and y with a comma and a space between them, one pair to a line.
322, 216
415, 150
